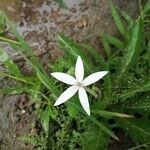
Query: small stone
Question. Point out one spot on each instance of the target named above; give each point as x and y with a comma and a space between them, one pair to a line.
23, 111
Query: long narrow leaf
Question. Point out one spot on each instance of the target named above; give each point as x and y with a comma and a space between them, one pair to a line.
139, 146
27, 52
141, 88
102, 66
133, 49
106, 45
10, 65
114, 41
102, 127
146, 7
62, 3
98, 57
127, 18
145, 86
96, 122
110, 114
15, 90
73, 50
26, 80
117, 19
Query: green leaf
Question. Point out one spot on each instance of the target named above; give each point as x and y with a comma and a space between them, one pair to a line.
132, 51
102, 66
61, 3
106, 45
73, 51
35, 91
127, 18
15, 90
138, 130
117, 19
9, 40
139, 146
96, 122
95, 139
72, 111
146, 7
98, 57
24, 49
139, 105
27, 80
110, 114
45, 117
49, 84
104, 128
2, 23
10, 65
114, 41
143, 87
107, 85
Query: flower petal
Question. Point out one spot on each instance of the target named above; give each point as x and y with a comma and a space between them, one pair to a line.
79, 69
84, 100
94, 77
63, 77
67, 94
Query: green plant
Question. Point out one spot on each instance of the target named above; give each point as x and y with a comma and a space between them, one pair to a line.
124, 91
38, 141
61, 3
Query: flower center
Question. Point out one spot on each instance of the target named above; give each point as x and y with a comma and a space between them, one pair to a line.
79, 84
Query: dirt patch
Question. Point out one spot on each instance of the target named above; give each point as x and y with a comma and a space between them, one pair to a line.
39, 22
15, 121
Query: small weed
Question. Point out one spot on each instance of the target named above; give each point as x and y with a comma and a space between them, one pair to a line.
124, 91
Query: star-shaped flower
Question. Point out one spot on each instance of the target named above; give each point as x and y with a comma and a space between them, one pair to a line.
78, 84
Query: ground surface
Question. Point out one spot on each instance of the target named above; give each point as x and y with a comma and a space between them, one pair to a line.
39, 22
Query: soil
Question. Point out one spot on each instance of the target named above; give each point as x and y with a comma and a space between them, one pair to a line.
124, 143
39, 21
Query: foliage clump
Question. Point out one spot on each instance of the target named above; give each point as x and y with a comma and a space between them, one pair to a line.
124, 91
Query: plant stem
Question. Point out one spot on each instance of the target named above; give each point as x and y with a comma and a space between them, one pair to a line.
16, 78
91, 92
9, 40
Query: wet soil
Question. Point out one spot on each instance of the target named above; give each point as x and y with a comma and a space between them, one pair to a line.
39, 21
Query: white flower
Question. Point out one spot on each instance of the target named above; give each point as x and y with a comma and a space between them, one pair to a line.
77, 84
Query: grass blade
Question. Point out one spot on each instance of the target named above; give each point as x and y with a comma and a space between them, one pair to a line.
73, 50
141, 88
102, 127
103, 66
110, 114
15, 90
10, 65
35, 91
96, 122
26, 80
47, 82
127, 18
102, 63
106, 45
146, 7
114, 41
9, 40
2, 23
61, 3
139, 146
117, 19
107, 85
133, 50
27, 52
